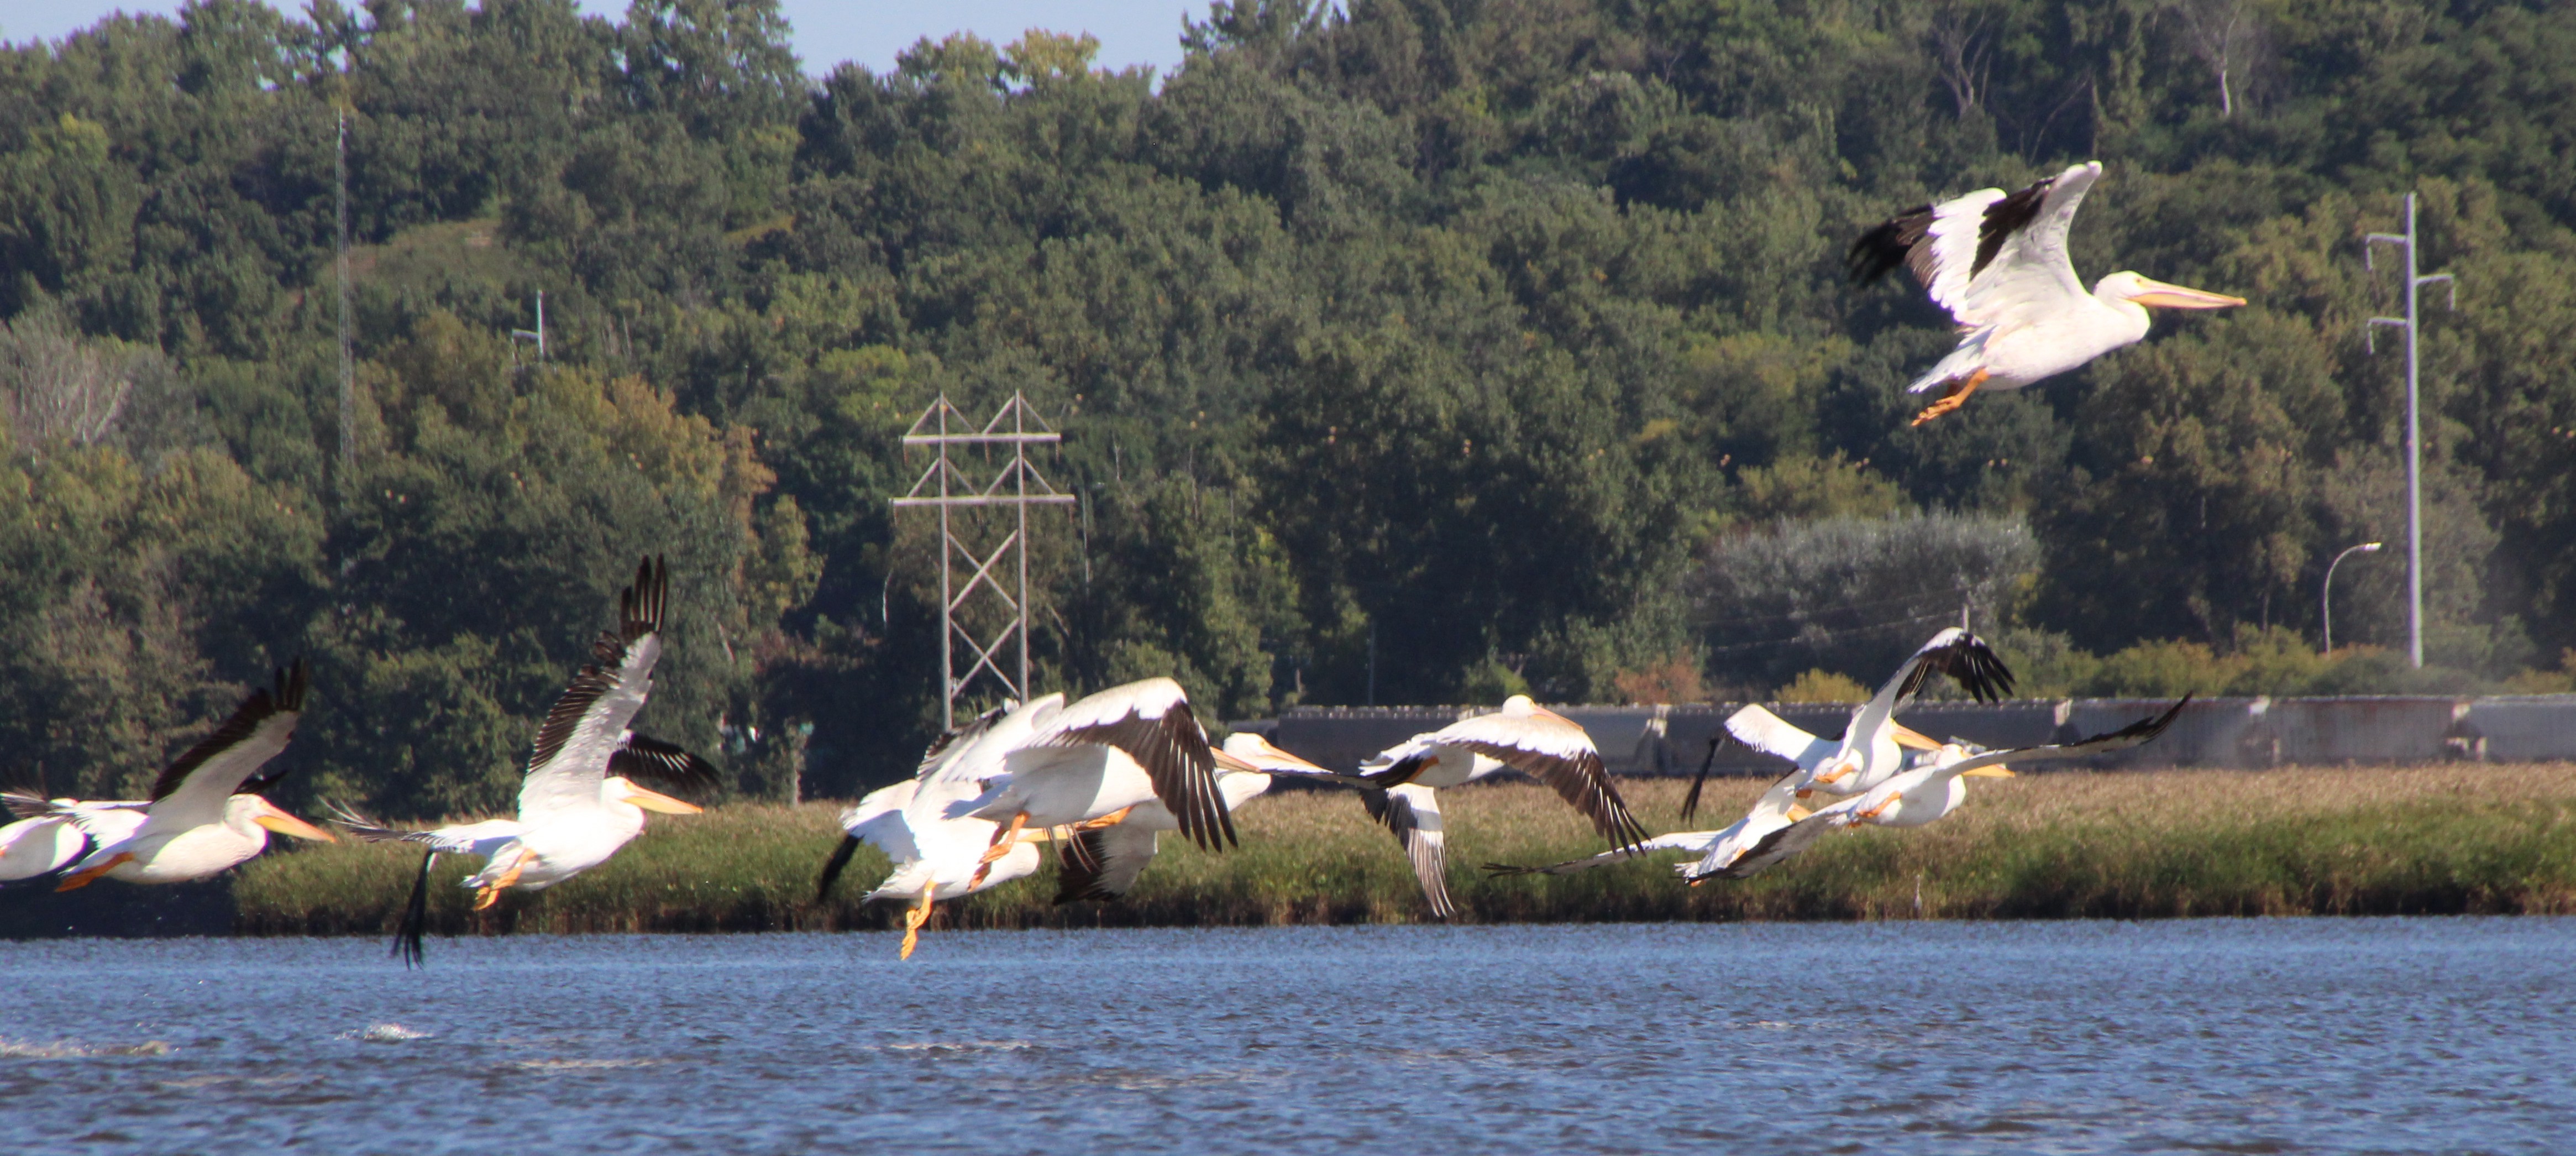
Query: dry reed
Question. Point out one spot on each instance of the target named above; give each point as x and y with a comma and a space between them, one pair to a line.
2301, 841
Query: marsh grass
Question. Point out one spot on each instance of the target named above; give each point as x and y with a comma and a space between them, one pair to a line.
2302, 841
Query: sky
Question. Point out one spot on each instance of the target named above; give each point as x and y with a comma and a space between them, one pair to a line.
826, 32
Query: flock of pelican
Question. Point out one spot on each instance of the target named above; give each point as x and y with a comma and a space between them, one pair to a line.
1102, 778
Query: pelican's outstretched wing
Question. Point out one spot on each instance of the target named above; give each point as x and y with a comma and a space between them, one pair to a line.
2135, 734
650, 759
1103, 863
1780, 844
1413, 814
1964, 657
1984, 257
588, 722
1151, 721
1695, 842
1554, 750
193, 789
1758, 728
879, 818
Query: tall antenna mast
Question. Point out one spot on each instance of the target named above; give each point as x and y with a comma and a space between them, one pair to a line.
340, 248
2412, 324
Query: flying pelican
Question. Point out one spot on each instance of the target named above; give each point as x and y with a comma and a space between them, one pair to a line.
1999, 265
1920, 795
576, 804
1775, 810
51, 834
937, 855
205, 816
1103, 862
1870, 751
1522, 736
1088, 764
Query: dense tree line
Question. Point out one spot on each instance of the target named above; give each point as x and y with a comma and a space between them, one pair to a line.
1423, 350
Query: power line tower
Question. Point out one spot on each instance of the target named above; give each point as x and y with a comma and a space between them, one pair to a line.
2414, 439
1016, 486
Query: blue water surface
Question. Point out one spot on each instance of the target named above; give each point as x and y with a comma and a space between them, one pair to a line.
2276, 1035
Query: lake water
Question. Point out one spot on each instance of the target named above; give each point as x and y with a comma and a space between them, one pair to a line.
2422, 1035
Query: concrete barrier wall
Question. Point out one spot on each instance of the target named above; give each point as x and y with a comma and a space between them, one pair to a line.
2242, 733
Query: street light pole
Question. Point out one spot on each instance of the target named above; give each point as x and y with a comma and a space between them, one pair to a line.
2414, 425
2348, 551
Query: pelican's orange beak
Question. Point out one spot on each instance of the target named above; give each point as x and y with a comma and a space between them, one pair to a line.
1994, 772
285, 824
2165, 296
656, 801
1228, 762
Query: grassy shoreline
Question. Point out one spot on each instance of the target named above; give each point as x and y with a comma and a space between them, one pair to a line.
2487, 839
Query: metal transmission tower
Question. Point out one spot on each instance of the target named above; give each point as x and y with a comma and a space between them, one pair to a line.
1016, 486
2414, 432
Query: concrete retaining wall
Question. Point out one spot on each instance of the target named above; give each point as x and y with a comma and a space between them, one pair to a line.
2220, 732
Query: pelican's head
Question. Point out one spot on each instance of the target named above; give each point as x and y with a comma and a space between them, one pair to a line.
617, 789
1246, 751
2141, 290
243, 812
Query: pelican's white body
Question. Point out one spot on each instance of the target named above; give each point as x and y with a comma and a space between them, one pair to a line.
1060, 786
930, 849
2085, 327
1926, 793
565, 842
180, 850
50, 842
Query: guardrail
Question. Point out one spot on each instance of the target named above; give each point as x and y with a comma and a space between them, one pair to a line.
2239, 733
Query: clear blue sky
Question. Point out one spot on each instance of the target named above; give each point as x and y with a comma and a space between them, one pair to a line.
827, 31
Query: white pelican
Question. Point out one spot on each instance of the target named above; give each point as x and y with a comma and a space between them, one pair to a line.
203, 818
574, 813
1999, 265
50, 834
1920, 795
1104, 861
1774, 811
1871, 749
1522, 736
937, 855
1088, 764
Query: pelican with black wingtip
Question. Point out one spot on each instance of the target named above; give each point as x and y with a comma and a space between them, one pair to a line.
577, 803
934, 853
1998, 264
206, 816
1522, 736
1872, 749
1093, 762
1104, 862
1921, 795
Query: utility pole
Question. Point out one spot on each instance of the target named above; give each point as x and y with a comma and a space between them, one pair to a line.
340, 249
2411, 323
1017, 486
537, 335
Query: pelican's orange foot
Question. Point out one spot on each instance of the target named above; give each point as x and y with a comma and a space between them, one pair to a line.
84, 878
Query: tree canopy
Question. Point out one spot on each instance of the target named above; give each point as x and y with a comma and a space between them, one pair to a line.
1412, 350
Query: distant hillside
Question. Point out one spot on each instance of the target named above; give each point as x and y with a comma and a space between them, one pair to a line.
1444, 349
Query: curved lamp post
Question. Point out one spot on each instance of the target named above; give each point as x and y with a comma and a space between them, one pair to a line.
2349, 551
